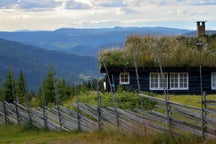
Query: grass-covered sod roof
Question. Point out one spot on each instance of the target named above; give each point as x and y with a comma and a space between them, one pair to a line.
176, 51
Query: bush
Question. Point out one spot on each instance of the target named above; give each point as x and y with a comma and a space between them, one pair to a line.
124, 99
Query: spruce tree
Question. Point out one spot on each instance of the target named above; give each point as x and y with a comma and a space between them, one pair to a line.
49, 87
22, 91
9, 87
69, 90
65, 89
62, 89
40, 94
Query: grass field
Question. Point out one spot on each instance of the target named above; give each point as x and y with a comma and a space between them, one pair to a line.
192, 100
13, 134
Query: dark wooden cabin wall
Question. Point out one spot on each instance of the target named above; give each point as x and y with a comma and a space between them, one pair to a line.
194, 81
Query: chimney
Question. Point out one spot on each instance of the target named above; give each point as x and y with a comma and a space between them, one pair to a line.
200, 28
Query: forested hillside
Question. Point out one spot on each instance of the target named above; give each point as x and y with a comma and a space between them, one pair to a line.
35, 62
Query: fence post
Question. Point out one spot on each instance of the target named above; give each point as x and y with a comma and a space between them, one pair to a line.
99, 97
99, 110
78, 118
78, 113
15, 98
166, 96
5, 112
27, 102
28, 108
137, 74
45, 116
57, 104
203, 114
113, 96
60, 117
43, 98
17, 110
115, 104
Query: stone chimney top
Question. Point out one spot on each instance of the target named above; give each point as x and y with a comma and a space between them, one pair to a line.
200, 28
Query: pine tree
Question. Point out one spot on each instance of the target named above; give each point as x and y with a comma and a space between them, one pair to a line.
22, 91
9, 87
69, 90
49, 87
65, 90
72, 90
62, 89
40, 94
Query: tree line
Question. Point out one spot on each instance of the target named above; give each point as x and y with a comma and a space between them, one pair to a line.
52, 90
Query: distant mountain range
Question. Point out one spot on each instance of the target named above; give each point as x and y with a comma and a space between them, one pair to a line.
35, 62
84, 41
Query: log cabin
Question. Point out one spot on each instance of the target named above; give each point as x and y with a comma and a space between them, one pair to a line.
177, 64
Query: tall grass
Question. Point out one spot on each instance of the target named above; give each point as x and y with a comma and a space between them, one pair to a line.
13, 134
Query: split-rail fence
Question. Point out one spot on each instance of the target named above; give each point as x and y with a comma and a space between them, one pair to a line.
165, 116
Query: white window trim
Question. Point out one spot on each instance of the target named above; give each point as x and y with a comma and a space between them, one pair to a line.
178, 88
120, 80
158, 88
212, 87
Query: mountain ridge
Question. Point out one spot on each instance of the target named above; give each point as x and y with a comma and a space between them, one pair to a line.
85, 42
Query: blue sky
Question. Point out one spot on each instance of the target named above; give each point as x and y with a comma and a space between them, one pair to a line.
54, 14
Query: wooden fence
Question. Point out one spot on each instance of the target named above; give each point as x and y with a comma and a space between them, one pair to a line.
165, 116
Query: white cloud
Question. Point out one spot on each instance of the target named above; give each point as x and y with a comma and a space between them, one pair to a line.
123, 10
169, 13
53, 14
181, 12
88, 2
109, 3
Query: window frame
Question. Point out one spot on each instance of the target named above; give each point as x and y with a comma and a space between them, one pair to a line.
179, 81
158, 81
213, 76
124, 82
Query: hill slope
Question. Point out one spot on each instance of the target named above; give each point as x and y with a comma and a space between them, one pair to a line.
17, 55
85, 41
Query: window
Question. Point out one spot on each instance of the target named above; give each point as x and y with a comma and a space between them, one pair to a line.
179, 81
124, 78
213, 80
157, 82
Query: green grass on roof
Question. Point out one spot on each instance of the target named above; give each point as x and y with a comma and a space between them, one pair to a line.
176, 51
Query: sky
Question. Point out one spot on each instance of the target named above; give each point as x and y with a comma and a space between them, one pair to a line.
54, 14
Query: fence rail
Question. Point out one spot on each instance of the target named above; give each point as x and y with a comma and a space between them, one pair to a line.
181, 118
